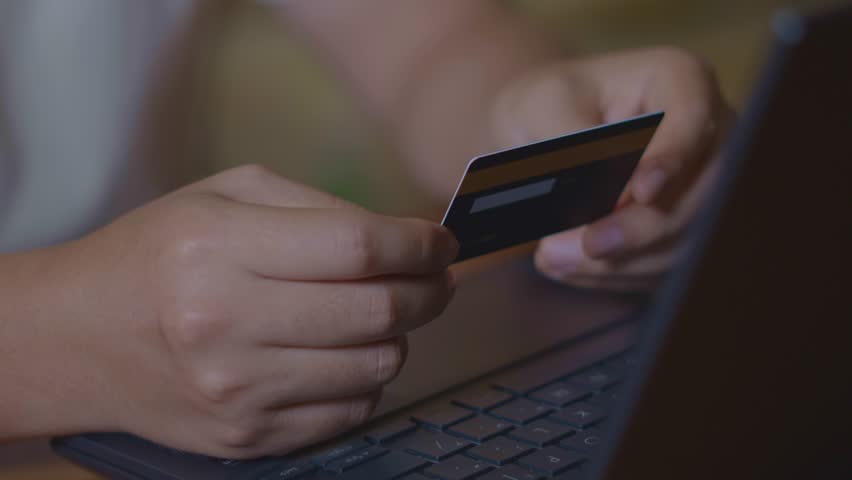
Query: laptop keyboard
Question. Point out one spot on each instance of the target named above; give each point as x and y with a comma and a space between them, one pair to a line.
528, 426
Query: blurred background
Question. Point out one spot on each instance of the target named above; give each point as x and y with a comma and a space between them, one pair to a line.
260, 96
256, 94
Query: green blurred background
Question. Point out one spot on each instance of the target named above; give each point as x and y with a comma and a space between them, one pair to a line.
262, 97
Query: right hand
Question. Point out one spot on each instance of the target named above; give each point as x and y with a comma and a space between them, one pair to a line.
246, 315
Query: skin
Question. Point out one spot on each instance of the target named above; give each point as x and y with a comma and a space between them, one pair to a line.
523, 89
247, 315
233, 278
633, 248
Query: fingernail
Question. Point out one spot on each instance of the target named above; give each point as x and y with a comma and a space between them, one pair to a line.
651, 183
604, 240
561, 257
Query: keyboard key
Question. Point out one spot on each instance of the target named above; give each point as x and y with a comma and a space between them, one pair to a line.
622, 362
560, 394
231, 463
500, 451
552, 460
458, 468
573, 474
597, 378
483, 399
255, 468
607, 397
541, 433
521, 411
524, 380
289, 472
414, 476
512, 472
432, 445
542, 371
389, 431
354, 459
586, 441
480, 428
443, 417
324, 459
386, 467
580, 415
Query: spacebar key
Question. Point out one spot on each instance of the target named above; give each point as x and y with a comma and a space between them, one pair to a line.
389, 466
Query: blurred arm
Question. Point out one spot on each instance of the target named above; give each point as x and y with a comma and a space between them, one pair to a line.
429, 71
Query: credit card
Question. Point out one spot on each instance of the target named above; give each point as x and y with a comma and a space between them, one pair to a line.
526, 193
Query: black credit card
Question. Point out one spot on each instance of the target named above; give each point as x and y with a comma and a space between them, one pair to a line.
526, 193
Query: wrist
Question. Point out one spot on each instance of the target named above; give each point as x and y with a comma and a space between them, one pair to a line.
46, 369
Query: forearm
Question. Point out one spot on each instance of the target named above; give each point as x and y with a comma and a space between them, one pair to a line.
44, 379
428, 71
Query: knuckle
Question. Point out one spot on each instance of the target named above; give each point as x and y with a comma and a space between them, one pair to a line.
636, 226
250, 173
429, 244
218, 385
356, 243
437, 248
388, 359
691, 62
677, 55
194, 229
191, 248
686, 60
240, 436
644, 226
192, 326
383, 311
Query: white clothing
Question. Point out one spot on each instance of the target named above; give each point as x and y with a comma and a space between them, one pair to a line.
72, 77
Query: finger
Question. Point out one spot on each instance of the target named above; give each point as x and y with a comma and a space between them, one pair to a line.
331, 314
287, 429
256, 184
562, 258
333, 244
275, 377
299, 426
687, 90
631, 229
636, 227
311, 374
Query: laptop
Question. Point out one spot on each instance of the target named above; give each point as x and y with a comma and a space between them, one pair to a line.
740, 366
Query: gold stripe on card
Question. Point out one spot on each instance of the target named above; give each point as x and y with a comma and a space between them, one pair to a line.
556, 161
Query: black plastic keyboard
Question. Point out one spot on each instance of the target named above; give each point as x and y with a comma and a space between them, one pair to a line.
508, 431
539, 419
